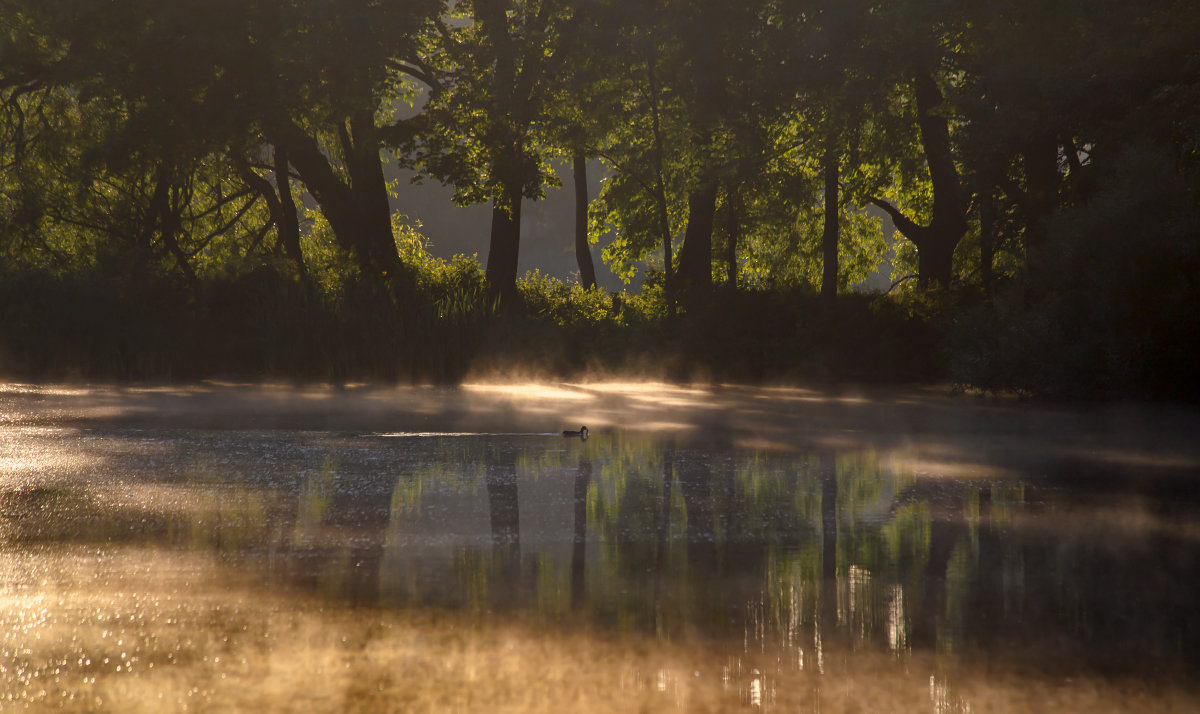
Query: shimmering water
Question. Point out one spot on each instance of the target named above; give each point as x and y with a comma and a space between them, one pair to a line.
293, 550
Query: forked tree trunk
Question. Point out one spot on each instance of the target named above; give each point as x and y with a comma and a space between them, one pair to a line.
357, 212
935, 242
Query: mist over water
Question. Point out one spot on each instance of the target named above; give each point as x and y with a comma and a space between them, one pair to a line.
231, 547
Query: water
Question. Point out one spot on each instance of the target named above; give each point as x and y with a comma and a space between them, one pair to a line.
725, 549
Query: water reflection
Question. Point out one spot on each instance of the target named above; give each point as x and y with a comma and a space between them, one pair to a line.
793, 571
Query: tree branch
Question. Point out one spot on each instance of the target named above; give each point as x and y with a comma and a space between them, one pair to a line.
261, 185
896, 284
903, 223
220, 230
637, 179
1072, 153
418, 71
1013, 190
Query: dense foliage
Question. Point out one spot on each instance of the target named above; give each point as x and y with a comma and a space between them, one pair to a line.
200, 187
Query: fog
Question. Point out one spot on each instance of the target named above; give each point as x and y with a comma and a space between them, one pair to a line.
547, 225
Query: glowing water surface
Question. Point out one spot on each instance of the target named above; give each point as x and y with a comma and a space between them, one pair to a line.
707, 549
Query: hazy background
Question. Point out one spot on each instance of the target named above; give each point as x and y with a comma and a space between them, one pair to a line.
547, 227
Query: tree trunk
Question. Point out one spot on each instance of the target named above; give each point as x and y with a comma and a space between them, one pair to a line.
733, 225
505, 245
987, 237
287, 225
829, 239
166, 206
949, 210
587, 271
660, 191
369, 190
935, 263
1042, 179
280, 204
695, 257
143, 248
935, 242
361, 222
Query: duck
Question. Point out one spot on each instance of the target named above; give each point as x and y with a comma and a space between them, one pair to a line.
582, 433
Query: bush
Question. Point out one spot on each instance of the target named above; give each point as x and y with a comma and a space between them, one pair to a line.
1111, 305
437, 323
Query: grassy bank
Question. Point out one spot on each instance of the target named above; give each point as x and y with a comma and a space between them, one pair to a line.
441, 327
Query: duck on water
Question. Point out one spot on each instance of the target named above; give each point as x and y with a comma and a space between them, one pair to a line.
582, 433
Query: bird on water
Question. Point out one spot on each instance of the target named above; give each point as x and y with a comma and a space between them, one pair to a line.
582, 433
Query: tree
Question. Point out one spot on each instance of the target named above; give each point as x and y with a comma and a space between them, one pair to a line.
190, 82
343, 68
671, 159
492, 67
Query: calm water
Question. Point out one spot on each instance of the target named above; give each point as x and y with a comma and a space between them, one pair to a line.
150, 560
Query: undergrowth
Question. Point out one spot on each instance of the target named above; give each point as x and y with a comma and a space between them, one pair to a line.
438, 324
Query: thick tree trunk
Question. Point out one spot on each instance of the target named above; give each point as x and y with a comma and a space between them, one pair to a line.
369, 191
583, 255
935, 242
949, 210
935, 263
695, 257
505, 245
1042, 179
509, 123
286, 223
829, 238
987, 237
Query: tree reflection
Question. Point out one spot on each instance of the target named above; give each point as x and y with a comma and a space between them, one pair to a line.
797, 554
583, 480
662, 526
505, 512
829, 533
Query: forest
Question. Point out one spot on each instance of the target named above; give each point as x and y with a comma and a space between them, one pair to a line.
200, 189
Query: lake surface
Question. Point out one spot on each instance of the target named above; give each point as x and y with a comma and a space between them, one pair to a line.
229, 548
